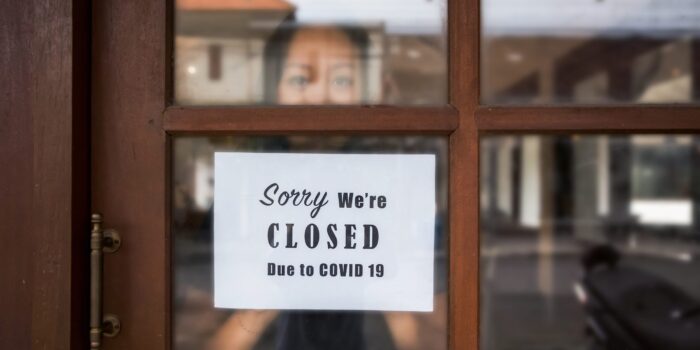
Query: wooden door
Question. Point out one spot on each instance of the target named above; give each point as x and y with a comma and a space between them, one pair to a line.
135, 120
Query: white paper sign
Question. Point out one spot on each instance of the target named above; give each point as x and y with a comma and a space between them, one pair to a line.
324, 231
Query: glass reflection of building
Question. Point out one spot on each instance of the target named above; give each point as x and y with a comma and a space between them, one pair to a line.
219, 48
590, 52
596, 183
546, 200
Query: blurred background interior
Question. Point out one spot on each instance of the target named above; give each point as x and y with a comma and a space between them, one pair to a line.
546, 200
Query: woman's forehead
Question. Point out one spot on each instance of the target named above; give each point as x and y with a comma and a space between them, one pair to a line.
321, 41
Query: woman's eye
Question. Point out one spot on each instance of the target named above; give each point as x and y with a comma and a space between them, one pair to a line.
343, 81
298, 81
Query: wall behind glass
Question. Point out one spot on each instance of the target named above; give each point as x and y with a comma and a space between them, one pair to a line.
233, 52
590, 242
590, 52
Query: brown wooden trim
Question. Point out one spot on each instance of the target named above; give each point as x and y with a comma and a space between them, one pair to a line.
319, 118
464, 40
614, 119
168, 244
129, 84
16, 186
44, 189
464, 240
169, 47
168, 98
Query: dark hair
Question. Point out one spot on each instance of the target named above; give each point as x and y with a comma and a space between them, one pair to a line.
277, 47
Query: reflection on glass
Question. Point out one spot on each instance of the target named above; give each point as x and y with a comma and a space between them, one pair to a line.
198, 325
590, 52
310, 52
590, 242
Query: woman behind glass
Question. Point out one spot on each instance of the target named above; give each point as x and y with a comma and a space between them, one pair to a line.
320, 65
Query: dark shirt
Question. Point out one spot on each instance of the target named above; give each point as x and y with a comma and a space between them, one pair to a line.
320, 331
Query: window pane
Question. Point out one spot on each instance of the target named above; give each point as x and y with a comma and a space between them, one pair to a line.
590, 242
590, 52
197, 324
233, 52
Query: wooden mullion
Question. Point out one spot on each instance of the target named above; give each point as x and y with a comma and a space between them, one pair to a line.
587, 119
464, 36
308, 119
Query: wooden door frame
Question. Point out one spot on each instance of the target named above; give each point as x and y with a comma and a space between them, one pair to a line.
135, 39
44, 191
462, 119
46, 134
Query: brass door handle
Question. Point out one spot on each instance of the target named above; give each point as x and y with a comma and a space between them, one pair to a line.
101, 241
